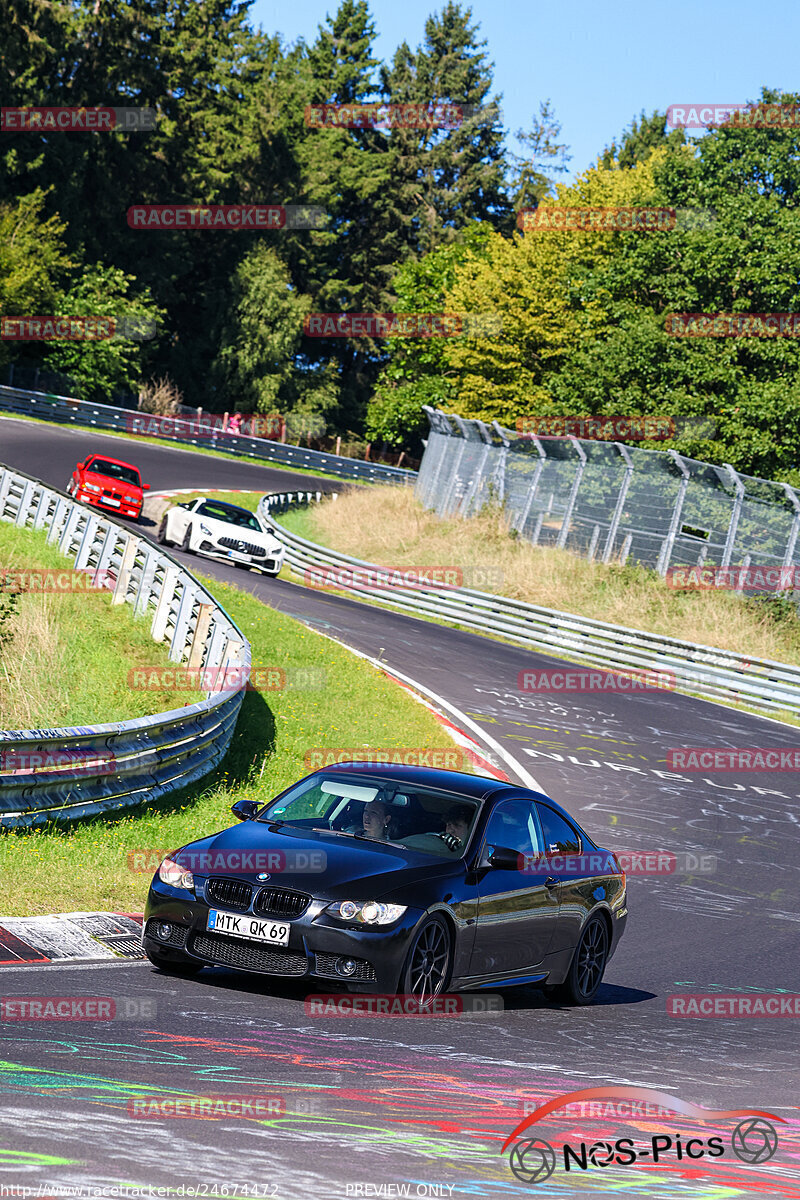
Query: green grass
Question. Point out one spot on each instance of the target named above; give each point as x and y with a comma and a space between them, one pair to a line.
86, 866
301, 522
67, 659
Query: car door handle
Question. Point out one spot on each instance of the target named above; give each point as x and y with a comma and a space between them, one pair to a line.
551, 881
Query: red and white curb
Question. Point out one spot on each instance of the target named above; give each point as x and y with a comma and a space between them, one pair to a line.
74, 937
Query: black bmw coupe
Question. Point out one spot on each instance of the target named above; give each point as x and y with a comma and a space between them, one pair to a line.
392, 879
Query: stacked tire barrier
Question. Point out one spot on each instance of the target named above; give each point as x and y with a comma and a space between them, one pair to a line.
138, 760
763, 685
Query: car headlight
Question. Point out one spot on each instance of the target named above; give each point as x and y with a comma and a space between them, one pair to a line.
204, 529
175, 875
91, 487
367, 912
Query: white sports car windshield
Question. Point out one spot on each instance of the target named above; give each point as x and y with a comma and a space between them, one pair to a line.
229, 514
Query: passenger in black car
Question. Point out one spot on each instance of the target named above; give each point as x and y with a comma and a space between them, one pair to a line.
376, 820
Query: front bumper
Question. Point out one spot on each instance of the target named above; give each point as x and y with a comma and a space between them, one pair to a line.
318, 944
124, 508
270, 563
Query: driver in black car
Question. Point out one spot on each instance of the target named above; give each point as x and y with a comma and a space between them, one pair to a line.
456, 826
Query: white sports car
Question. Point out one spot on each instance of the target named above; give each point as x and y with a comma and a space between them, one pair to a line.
220, 530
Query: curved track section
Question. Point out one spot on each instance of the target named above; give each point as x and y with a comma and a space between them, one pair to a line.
397, 1103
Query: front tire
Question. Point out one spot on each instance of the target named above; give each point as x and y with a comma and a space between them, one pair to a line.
587, 966
186, 544
161, 536
429, 964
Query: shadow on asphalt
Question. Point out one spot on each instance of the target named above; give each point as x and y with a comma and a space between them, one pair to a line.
514, 999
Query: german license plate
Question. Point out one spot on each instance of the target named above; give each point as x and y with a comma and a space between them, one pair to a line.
255, 929
109, 500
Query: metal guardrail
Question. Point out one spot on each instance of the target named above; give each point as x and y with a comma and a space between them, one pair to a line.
64, 410
147, 757
769, 687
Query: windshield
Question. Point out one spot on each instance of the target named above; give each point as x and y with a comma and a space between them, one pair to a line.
115, 470
389, 811
229, 513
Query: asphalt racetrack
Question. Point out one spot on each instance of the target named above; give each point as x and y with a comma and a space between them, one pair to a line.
392, 1106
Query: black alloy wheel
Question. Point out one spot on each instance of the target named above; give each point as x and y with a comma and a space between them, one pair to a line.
587, 967
429, 963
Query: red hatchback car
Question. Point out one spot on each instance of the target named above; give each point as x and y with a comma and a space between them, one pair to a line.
108, 483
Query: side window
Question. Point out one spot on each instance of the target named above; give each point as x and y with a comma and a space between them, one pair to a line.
559, 836
512, 825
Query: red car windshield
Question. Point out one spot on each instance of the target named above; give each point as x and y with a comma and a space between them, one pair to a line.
101, 466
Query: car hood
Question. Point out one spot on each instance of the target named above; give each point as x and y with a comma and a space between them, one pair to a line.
350, 869
257, 537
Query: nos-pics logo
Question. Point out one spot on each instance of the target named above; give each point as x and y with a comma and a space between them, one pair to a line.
754, 1140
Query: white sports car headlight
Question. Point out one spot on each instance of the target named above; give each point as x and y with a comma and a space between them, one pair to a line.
204, 529
366, 912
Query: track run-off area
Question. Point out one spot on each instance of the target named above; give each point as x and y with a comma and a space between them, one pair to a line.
397, 1106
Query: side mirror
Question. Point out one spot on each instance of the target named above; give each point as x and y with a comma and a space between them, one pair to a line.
500, 858
145, 487
244, 810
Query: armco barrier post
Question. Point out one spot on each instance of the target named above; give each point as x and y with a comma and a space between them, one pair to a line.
125, 568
